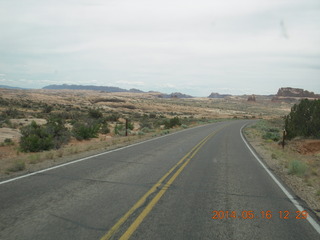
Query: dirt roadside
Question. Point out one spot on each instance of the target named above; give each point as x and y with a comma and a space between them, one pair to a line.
42, 160
305, 187
73, 151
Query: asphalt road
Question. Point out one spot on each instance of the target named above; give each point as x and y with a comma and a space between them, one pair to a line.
166, 188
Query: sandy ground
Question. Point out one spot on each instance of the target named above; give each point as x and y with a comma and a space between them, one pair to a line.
9, 133
27, 121
307, 146
304, 191
72, 151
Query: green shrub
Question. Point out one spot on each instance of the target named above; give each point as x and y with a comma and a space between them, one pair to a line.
119, 129
274, 136
8, 142
165, 132
17, 166
304, 119
56, 128
145, 123
67, 114
95, 113
105, 129
146, 130
128, 106
34, 158
140, 133
11, 113
50, 155
268, 130
130, 125
8, 123
85, 131
172, 122
47, 109
297, 167
113, 117
4, 102
175, 122
152, 115
35, 138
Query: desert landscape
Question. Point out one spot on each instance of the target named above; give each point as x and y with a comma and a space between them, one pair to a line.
150, 115
159, 120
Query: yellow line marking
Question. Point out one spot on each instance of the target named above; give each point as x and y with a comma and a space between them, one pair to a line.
142, 200
155, 200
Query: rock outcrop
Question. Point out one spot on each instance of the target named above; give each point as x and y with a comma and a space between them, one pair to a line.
175, 95
292, 94
91, 87
295, 92
217, 95
252, 98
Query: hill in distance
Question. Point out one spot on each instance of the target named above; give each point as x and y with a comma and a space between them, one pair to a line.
289, 94
217, 95
111, 89
175, 95
296, 92
91, 87
9, 87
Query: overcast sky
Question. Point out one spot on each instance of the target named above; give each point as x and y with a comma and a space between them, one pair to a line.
195, 47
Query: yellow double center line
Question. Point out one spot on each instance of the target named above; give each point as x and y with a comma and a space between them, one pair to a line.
183, 162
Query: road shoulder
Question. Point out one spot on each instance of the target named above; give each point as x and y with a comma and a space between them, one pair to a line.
278, 166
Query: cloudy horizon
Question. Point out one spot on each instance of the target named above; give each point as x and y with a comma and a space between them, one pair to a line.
194, 47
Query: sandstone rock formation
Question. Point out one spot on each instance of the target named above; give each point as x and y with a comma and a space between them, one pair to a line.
295, 92
217, 95
252, 98
292, 94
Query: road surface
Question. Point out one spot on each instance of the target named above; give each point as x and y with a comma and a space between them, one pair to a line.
201, 183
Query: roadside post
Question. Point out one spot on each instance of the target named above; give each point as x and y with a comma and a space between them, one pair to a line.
127, 127
284, 133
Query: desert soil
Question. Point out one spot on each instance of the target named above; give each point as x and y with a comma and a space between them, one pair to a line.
304, 149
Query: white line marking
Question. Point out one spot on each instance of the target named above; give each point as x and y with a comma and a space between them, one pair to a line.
314, 224
96, 155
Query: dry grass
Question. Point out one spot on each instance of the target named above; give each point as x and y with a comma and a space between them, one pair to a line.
30, 104
149, 103
73, 150
298, 169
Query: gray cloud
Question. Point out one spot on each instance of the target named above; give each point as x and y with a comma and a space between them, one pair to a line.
166, 45
283, 30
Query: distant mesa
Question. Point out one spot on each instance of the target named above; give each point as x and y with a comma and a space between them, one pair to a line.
217, 95
113, 89
175, 95
9, 87
295, 92
91, 87
252, 98
291, 94
134, 90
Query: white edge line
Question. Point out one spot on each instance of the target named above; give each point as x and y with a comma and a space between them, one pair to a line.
96, 155
314, 224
